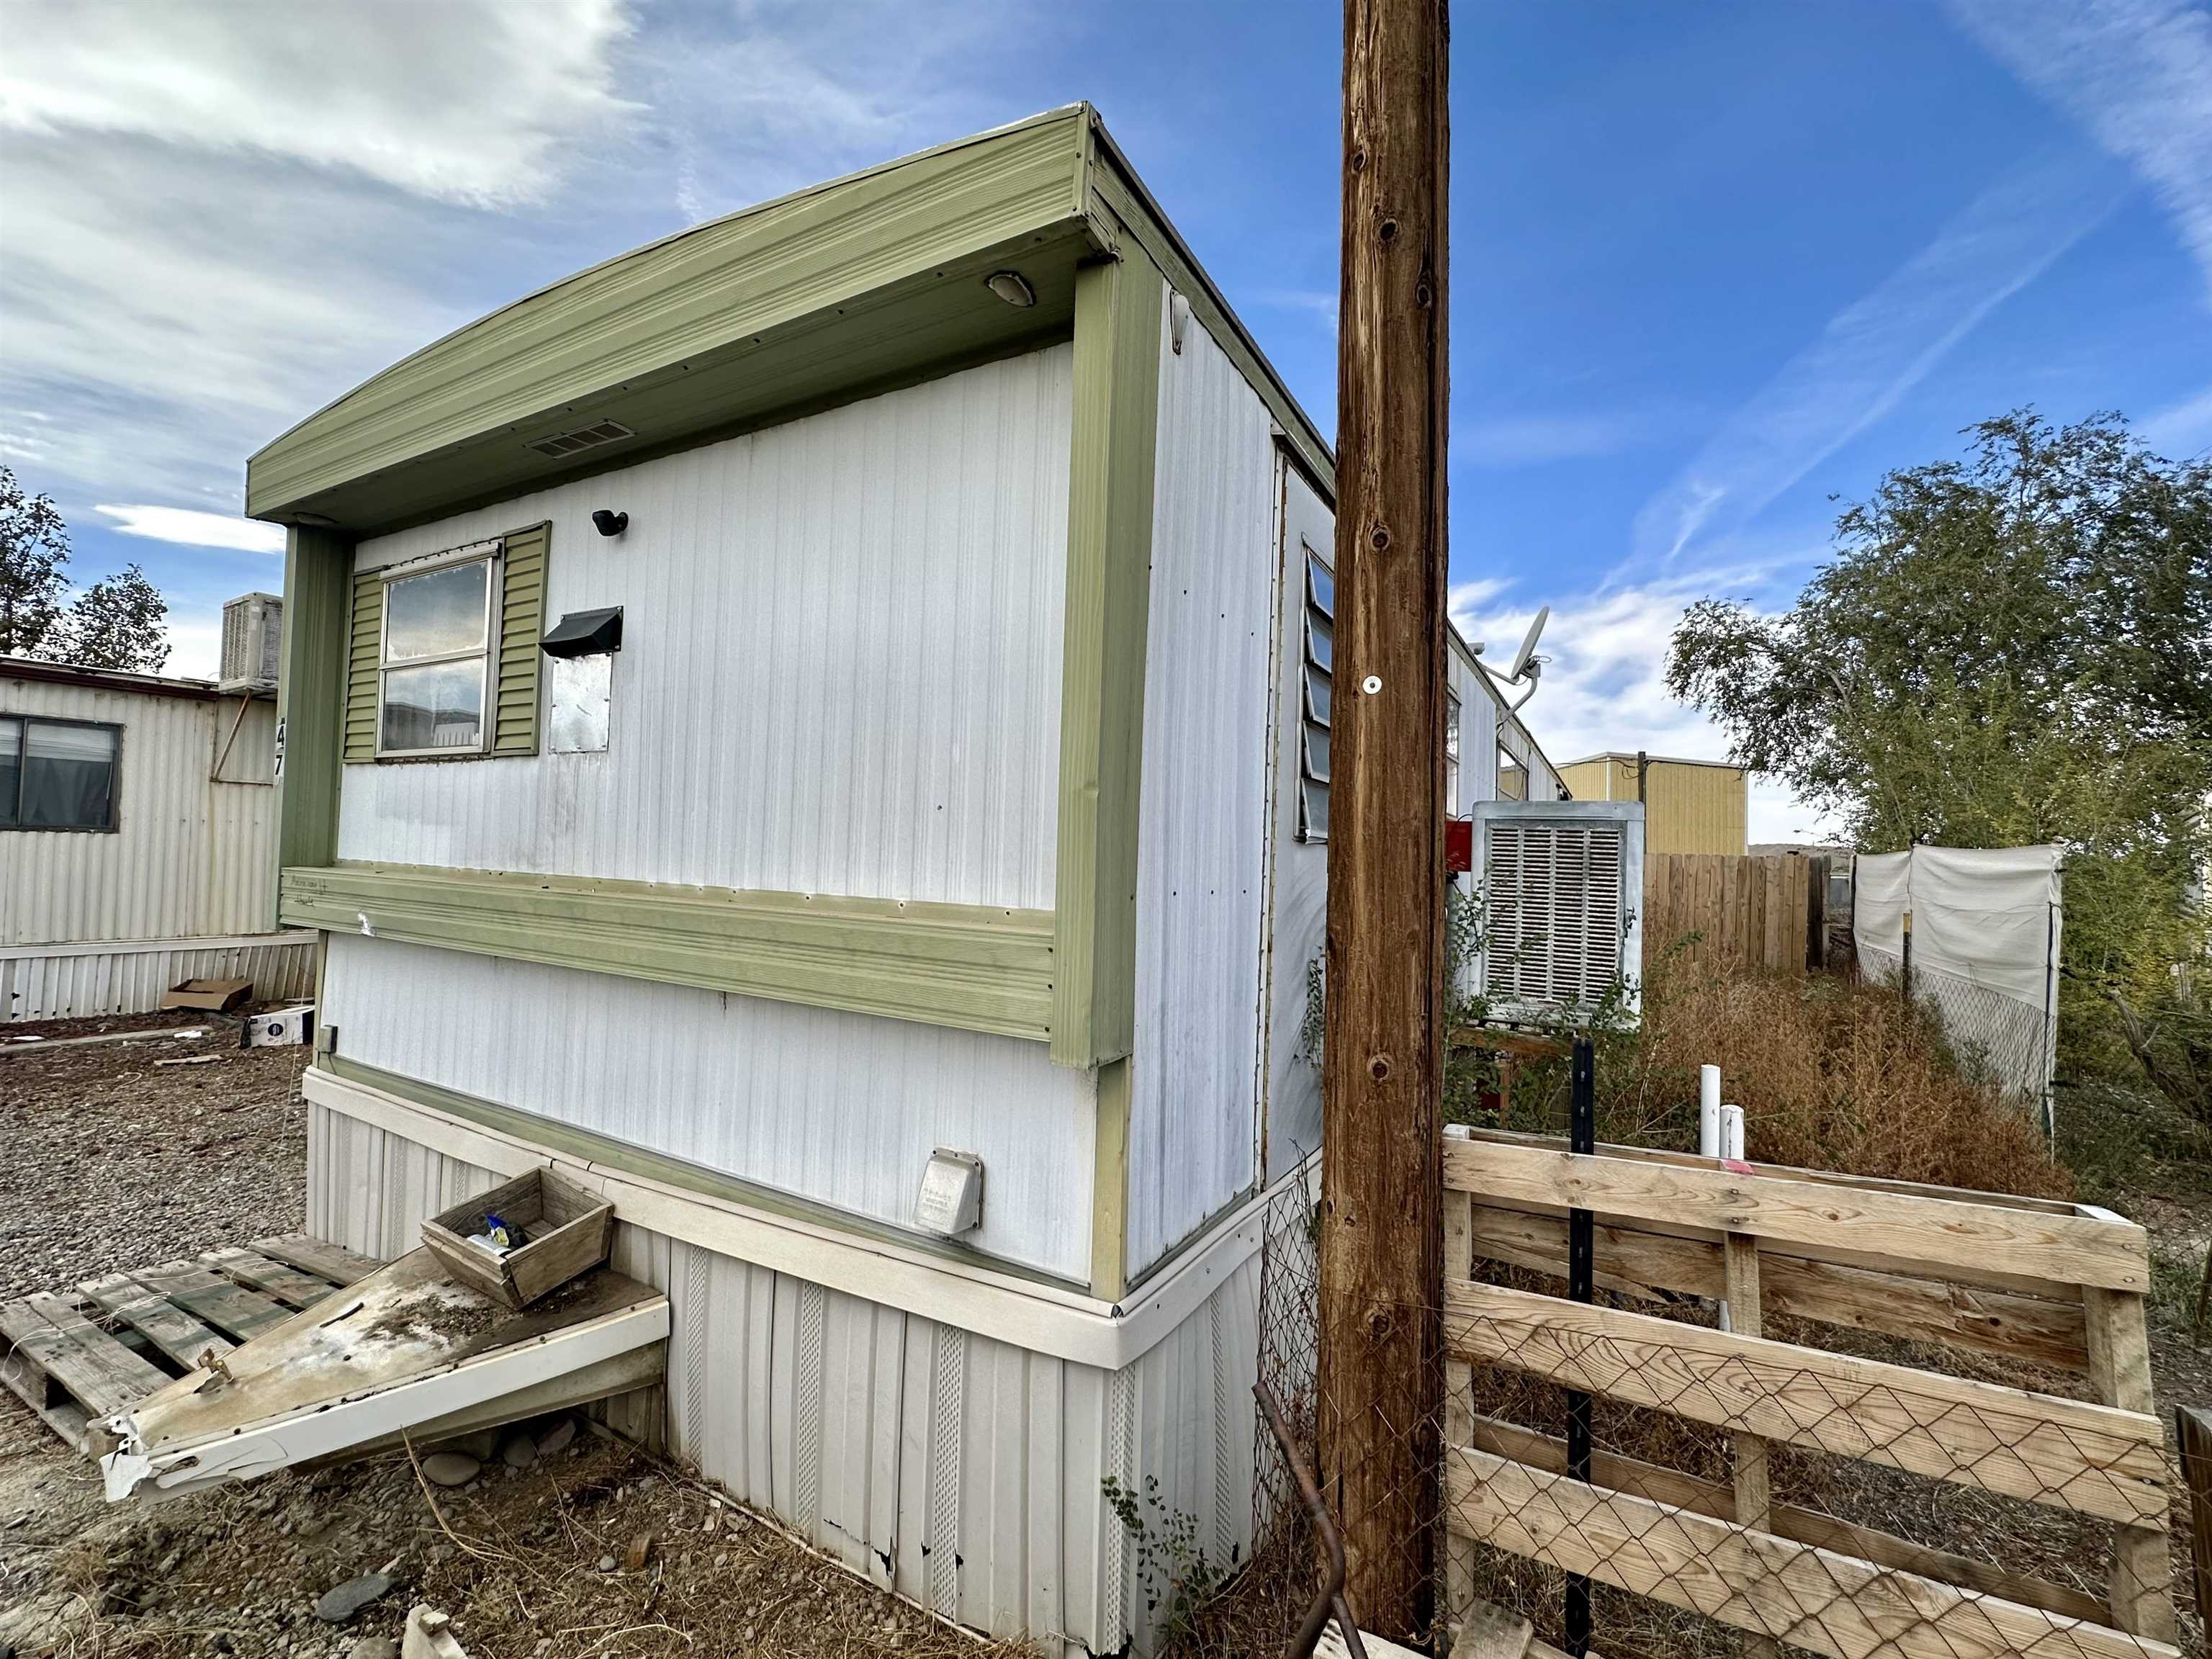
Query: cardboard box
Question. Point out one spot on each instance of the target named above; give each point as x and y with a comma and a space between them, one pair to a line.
218, 995
280, 1027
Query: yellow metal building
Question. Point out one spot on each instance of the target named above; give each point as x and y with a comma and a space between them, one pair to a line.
1689, 805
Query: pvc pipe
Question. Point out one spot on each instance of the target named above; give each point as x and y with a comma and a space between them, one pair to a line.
1708, 1111
1732, 1133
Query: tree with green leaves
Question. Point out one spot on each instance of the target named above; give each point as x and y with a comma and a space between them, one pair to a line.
115, 623
2013, 648
34, 549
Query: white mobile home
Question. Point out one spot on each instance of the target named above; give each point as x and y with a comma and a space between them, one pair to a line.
137, 830
847, 683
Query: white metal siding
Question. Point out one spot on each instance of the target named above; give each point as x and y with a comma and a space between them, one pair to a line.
76, 983
842, 1108
841, 660
1201, 854
1297, 906
962, 1472
193, 857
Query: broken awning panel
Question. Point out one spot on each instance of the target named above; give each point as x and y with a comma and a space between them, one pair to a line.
403, 1352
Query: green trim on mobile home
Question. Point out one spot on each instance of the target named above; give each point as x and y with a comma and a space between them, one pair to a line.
310, 694
1102, 710
837, 293
968, 966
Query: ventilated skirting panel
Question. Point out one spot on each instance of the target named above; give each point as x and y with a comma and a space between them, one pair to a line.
130, 978
959, 1471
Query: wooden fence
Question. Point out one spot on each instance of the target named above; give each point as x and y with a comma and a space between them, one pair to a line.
1718, 1450
1762, 912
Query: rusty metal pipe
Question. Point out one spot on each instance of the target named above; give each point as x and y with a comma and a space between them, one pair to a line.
1330, 1599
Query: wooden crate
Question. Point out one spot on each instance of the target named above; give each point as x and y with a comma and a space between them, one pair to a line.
566, 1230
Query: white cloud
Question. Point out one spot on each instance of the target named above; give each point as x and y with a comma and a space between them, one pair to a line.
2137, 73
2183, 429
1870, 354
1604, 687
1515, 441
190, 528
195, 636
466, 101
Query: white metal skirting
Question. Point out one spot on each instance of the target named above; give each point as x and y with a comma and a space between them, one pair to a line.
128, 977
960, 1471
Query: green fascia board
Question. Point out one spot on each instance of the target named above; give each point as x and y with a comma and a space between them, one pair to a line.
841, 291
972, 966
1114, 435
1118, 196
850, 284
589, 1147
311, 696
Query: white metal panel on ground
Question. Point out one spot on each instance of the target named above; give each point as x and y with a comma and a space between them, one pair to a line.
1201, 853
192, 856
841, 1109
74, 983
841, 661
1297, 904
962, 1472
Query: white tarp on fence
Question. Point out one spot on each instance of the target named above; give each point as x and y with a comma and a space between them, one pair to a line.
1982, 947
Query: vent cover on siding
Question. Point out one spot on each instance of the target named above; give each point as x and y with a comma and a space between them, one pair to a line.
584, 437
1563, 882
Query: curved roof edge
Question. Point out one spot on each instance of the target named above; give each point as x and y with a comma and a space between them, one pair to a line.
832, 292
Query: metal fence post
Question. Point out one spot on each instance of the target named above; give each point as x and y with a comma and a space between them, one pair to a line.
1582, 1251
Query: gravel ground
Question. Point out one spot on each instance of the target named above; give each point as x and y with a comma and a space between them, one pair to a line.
116, 1160
591, 1548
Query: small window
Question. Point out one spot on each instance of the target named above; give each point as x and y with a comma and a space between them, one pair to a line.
57, 774
1320, 631
433, 677
1451, 755
1512, 776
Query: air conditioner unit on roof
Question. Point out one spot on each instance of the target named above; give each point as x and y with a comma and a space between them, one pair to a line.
252, 643
1563, 885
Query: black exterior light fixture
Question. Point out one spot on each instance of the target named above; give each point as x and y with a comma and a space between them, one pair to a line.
1011, 287
610, 524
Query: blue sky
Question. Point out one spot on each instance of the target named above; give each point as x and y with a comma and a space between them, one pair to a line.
1713, 264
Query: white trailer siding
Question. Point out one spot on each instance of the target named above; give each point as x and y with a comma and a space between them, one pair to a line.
1297, 909
841, 661
962, 1472
839, 1108
1201, 846
94, 923
192, 856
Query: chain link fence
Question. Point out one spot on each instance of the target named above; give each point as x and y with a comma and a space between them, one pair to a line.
1997, 1037
1849, 1486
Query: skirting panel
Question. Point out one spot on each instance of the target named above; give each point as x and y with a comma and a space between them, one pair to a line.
963, 1472
74, 982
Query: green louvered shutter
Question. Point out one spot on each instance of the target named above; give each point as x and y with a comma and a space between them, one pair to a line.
521, 620
367, 643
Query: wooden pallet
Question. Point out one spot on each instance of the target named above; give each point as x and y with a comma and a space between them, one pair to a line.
78, 1357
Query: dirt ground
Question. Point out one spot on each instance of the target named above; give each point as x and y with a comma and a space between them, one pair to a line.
594, 1548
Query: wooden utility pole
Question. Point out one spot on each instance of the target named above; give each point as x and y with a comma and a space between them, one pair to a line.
1382, 1238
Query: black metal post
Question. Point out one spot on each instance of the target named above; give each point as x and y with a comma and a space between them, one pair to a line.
1582, 1251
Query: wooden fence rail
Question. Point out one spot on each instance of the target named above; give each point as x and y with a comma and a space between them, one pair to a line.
1762, 913
2050, 1286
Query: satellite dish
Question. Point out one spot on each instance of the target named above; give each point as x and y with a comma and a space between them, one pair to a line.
1521, 658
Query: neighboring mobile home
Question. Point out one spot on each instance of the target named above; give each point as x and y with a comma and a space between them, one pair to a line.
137, 830
1690, 805
848, 684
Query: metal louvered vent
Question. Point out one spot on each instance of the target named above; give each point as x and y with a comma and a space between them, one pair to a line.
1563, 884
584, 437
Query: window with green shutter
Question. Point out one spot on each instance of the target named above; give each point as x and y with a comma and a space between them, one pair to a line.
443, 656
